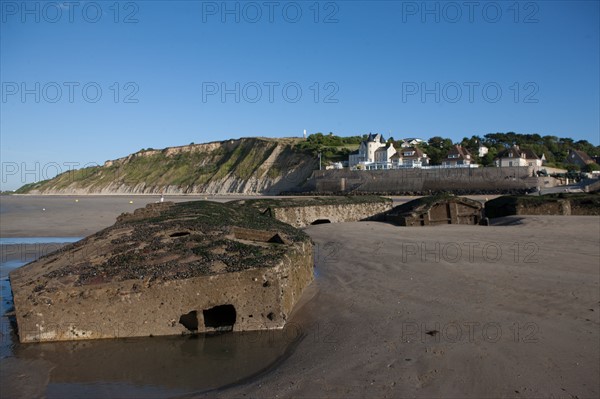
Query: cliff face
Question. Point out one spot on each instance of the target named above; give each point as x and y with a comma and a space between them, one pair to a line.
245, 166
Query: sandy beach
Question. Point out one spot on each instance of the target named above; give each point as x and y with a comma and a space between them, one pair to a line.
509, 310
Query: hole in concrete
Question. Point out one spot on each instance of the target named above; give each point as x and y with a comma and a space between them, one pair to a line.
276, 239
271, 316
321, 221
221, 318
266, 284
190, 320
180, 234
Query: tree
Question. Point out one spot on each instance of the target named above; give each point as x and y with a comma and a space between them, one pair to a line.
488, 159
591, 167
438, 149
573, 167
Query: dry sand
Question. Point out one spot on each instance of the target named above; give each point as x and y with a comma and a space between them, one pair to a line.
516, 317
452, 311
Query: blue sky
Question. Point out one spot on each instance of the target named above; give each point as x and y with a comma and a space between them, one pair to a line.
84, 82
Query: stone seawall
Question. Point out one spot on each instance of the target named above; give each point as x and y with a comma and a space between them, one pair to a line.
415, 180
302, 216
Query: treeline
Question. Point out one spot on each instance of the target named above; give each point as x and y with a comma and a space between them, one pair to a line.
555, 149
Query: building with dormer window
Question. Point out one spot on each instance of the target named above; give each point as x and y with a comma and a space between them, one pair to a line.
515, 156
457, 156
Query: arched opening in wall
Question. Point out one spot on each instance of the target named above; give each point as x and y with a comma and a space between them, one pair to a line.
321, 221
221, 318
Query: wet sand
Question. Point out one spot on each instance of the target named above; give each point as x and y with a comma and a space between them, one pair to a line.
510, 310
79, 216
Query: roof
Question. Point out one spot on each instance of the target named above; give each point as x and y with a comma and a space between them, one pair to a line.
423, 204
582, 155
518, 153
412, 139
375, 138
385, 148
459, 150
418, 153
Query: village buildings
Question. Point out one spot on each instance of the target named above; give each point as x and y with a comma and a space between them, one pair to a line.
376, 153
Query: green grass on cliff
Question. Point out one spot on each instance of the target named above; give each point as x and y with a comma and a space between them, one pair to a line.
196, 166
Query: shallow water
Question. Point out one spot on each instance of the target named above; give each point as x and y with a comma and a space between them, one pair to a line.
37, 240
155, 367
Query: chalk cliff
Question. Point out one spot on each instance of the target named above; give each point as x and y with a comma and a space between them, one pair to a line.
245, 166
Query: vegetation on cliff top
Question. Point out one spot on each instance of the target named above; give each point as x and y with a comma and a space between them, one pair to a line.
334, 148
186, 167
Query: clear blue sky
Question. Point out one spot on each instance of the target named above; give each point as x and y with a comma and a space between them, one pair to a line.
410, 68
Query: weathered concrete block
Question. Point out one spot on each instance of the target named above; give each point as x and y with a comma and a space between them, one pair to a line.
436, 210
170, 269
302, 212
551, 204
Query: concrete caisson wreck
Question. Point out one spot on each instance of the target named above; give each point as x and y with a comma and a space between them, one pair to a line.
436, 210
166, 269
304, 211
550, 204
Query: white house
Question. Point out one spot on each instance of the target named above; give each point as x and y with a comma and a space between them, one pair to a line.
515, 156
376, 153
482, 150
409, 157
457, 156
366, 152
383, 154
410, 142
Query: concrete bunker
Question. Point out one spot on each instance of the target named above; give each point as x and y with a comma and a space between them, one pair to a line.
549, 204
437, 210
223, 263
